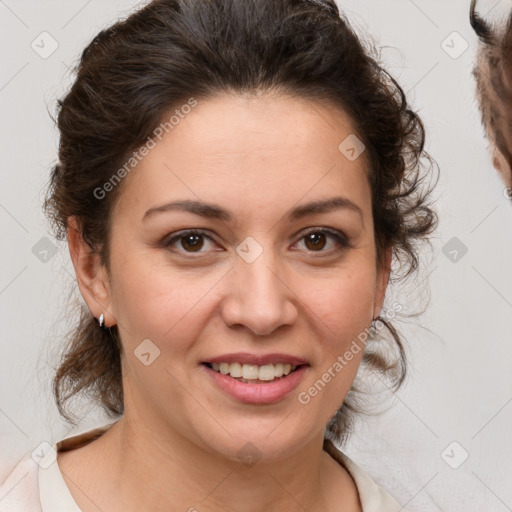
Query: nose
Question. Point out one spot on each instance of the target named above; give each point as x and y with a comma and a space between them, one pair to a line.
258, 296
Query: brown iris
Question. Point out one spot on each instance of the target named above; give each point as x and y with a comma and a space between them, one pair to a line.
193, 241
317, 240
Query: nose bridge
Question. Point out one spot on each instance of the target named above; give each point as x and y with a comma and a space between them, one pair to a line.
259, 299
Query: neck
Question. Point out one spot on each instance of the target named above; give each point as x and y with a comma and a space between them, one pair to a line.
191, 478
142, 452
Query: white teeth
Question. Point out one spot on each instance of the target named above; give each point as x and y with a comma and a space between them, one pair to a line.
235, 370
249, 371
266, 372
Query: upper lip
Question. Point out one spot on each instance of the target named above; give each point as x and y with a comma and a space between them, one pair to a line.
257, 359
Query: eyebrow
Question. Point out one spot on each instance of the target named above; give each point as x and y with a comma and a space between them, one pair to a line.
213, 211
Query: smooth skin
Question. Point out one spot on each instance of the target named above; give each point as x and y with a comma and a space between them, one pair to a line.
176, 446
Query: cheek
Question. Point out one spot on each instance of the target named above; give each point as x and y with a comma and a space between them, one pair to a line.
341, 309
342, 313
152, 301
345, 300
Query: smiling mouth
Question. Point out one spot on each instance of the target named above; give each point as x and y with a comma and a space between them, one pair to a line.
254, 374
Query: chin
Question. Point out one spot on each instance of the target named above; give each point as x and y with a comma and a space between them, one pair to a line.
260, 441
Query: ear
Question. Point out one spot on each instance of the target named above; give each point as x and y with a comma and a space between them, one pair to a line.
500, 163
91, 275
382, 282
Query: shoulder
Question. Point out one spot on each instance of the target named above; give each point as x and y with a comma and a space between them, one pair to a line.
373, 497
19, 492
33, 487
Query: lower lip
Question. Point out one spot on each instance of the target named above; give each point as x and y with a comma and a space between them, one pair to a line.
264, 393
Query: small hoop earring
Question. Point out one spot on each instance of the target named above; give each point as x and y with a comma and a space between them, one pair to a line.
378, 319
374, 327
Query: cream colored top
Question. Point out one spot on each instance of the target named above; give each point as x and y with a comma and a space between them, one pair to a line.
39, 486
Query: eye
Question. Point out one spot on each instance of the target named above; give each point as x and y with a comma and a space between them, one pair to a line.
315, 239
191, 241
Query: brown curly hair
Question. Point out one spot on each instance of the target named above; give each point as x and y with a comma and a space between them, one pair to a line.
136, 71
492, 71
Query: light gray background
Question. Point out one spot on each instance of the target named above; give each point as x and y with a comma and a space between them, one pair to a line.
459, 388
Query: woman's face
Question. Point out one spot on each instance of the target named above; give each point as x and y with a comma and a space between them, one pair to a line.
253, 286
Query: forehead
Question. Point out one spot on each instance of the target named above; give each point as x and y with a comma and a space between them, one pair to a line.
251, 152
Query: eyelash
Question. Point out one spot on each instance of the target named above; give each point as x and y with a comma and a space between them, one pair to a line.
341, 239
